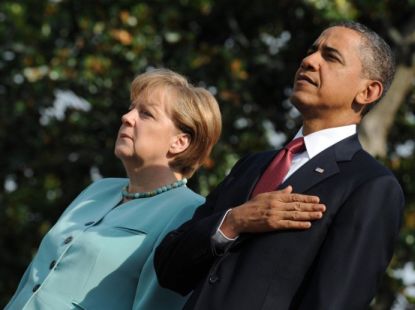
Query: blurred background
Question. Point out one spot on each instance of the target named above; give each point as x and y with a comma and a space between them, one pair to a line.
65, 71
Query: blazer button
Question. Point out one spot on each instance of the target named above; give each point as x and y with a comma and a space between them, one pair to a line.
52, 264
35, 288
213, 278
89, 223
67, 240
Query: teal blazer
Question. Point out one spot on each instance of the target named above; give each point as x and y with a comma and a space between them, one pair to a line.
100, 256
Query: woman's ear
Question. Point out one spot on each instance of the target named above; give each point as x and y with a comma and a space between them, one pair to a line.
371, 92
180, 143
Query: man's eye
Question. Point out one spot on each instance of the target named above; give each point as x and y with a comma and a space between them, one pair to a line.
332, 57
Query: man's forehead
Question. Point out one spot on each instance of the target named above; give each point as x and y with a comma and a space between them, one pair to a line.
339, 35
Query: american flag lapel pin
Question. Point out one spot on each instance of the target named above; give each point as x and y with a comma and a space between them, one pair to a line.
319, 170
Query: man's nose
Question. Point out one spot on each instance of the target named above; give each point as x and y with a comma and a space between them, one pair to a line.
311, 61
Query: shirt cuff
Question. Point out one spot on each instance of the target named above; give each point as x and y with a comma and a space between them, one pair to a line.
220, 242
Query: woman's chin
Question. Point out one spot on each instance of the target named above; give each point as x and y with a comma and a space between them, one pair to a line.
126, 157
121, 154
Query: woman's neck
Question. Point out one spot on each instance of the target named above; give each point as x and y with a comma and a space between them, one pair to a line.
151, 178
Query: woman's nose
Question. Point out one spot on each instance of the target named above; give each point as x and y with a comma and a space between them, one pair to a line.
128, 118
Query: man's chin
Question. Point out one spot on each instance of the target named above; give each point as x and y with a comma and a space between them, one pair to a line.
297, 99
301, 98
301, 101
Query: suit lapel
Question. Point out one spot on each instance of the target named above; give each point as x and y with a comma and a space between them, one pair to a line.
323, 165
316, 170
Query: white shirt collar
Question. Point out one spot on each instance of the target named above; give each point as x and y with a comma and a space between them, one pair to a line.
318, 141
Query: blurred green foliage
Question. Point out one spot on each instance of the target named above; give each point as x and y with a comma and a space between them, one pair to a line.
66, 67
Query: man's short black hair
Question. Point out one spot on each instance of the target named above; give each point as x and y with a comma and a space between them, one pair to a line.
376, 55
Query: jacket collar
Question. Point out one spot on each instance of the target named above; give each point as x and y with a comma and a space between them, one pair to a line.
323, 165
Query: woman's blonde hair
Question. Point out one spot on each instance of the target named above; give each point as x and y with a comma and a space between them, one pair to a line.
193, 110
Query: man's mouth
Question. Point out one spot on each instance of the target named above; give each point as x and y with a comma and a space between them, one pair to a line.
305, 77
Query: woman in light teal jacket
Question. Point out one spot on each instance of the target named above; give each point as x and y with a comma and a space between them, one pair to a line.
99, 254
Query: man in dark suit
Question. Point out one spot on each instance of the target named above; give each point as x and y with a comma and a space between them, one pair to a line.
238, 251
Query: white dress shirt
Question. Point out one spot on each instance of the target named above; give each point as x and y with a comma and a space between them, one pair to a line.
315, 143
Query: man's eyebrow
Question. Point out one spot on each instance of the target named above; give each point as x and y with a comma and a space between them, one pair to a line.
326, 49
329, 49
312, 48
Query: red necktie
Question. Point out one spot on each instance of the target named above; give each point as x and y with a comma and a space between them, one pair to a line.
278, 168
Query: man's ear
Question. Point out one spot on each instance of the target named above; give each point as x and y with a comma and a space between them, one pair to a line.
180, 143
370, 93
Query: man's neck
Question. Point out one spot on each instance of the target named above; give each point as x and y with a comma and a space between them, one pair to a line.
311, 126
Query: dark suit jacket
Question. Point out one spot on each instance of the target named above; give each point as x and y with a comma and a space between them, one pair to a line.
335, 265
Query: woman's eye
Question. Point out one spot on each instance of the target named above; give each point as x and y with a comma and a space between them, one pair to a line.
145, 113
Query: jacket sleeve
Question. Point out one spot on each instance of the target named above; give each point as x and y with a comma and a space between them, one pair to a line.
185, 255
357, 249
19, 288
149, 294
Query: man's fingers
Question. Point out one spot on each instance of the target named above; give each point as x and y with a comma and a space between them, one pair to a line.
301, 206
290, 197
287, 189
301, 216
303, 198
287, 224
